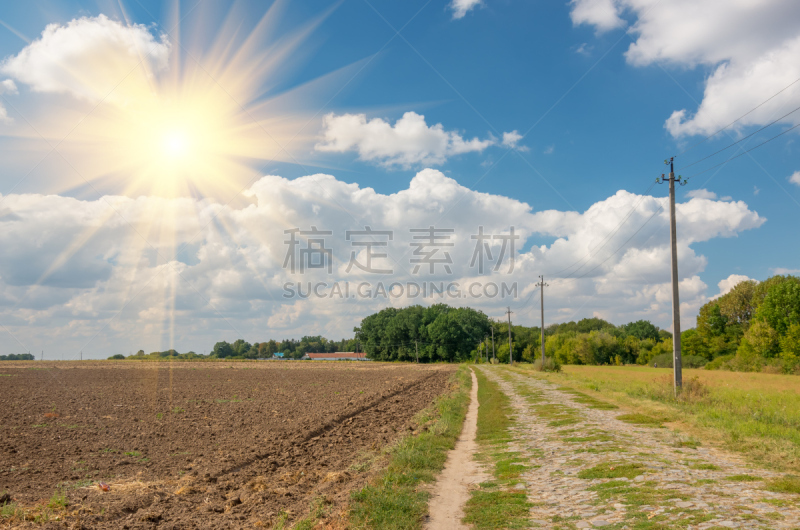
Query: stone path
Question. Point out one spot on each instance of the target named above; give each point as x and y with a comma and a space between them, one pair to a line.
589, 469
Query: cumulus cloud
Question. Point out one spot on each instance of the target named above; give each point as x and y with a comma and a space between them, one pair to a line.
222, 274
87, 58
730, 282
410, 141
602, 14
701, 194
751, 47
462, 7
795, 178
511, 140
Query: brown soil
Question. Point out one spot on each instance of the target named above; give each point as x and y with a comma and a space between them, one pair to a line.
200, 445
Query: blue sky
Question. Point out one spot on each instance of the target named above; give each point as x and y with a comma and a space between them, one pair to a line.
590, 84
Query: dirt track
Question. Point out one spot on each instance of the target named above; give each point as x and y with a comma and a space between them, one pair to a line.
204, 445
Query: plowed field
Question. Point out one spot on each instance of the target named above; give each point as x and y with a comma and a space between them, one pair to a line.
199, 445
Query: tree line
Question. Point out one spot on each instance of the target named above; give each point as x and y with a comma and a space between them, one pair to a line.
753, 327
17, 357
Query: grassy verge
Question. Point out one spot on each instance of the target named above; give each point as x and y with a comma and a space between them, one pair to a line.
497, 504
755, 414
395, 499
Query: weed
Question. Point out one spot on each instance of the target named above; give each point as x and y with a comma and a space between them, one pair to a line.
177, 410
133, 453
743, 478
705, 466
497, 509
612, 470
785, 484
58, 500
159, 416
640, 419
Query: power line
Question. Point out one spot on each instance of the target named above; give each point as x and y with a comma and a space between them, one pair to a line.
740, 140
739, 118
744, 153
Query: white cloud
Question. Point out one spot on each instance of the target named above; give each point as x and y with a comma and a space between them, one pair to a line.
462, 7
600, 13
549, 150
511, 140
752, 48
88, 57
228, 279
784, 271
730, 282
8, 87
410, 141
795, 178
701, 194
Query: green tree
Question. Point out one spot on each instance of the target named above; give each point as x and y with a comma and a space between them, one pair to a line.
641, 329
738, 305
222, 350
780, 307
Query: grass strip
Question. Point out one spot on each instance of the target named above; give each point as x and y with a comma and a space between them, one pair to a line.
394, 499
496, 504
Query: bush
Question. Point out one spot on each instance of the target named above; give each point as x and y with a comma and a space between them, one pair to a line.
550, 365
693, 389
663, 360
117, 357
720, 363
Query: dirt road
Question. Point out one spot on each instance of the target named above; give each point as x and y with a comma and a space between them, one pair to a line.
589, 469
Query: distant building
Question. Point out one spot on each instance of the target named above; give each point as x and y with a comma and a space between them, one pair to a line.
339, 356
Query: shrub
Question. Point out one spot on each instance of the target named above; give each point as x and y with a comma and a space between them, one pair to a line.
720, 363
693, 389
550, 365
117, 357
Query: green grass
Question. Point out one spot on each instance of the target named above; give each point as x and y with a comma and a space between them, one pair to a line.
497, 508
705, 466
785, 484
612, 470
133, 453
496, 504
396, 499
640, 419
755, 414
743, 478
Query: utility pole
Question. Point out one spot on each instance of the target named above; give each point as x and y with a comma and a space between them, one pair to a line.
416, 347
493, 354
510, 351
677, 371
486, 346
542, 285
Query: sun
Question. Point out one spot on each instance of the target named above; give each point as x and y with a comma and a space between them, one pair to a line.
204, 120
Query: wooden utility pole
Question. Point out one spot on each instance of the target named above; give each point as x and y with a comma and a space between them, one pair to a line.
416, 347
542, 285
677, 370
510, 351
493, 354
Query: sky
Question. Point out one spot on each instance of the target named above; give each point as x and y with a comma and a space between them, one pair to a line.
179, 173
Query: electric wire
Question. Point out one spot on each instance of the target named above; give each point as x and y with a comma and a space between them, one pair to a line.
740, 140
744, 153
739, 118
